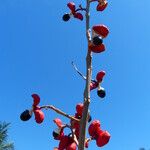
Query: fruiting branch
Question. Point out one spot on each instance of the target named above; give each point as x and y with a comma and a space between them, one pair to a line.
59, 112
78, 122
84, 118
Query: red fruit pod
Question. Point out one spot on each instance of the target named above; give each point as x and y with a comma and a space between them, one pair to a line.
93, 85
79, 109
58, 122
39, 116
101, 29
78, 16
64, 141
71, 6
100, 75
72, 146
101, 7
97, 49
94, 128
103, 138
36, 99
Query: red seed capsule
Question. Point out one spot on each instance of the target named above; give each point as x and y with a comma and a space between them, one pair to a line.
103, 138
94, 128
101, 7
78, 16
93, 85
71, 6
36, 99
100, 75
63, 143
101, 30
72, 146
79, 109
97, 49
39, 116
58, 122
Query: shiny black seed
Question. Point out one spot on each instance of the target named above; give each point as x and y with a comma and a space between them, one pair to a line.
90, 118
25, 116
101, 93
66, 17
97, 40
55, 134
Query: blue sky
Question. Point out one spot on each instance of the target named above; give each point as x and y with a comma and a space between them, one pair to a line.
36, 50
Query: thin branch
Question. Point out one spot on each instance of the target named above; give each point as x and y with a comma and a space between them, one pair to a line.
74, 66
59, 112
80, 8
72, 133
79, 72
83, 122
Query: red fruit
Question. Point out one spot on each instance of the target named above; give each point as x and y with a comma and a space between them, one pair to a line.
72, 146
58, 122
64, 141
36, 99
39, 116
78, 16
71, 6
93, 85
103, 138
101, 7
94, 128
102, 30
79, 109
97, 49
100, 75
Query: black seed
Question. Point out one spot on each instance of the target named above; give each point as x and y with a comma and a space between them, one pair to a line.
55, 134
90, 118
66, 17
79, 117
97, 40
25, 116
101, 93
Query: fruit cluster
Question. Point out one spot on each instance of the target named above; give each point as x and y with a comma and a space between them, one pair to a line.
67, 142
95, 131
102, 4
39, 115
99, 32
96, 84
95, 45
73, 12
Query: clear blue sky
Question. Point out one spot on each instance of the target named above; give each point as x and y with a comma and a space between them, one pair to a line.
36, 50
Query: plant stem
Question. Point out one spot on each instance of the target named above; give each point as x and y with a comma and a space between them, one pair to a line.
83, 122
59, 112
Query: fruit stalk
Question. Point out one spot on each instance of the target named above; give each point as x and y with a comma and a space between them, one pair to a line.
59, 112
84, 119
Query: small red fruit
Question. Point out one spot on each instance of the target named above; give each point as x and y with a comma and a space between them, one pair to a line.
100, 75
97, 49
103, 138
79, 109
101, 29
72, 146
94, 128
78, 16
39, 116
71, 6
93, 85
36, 99
58, 122
102, 6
